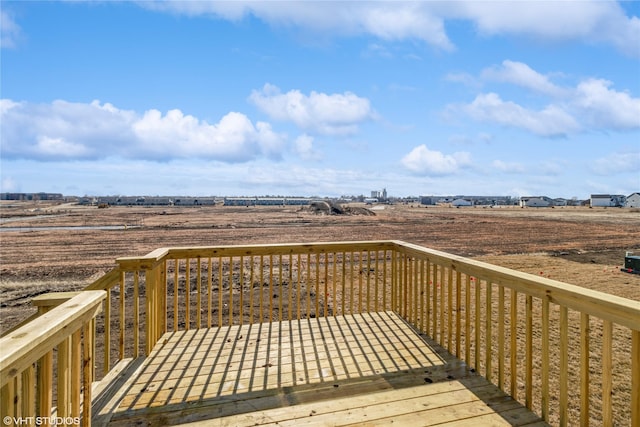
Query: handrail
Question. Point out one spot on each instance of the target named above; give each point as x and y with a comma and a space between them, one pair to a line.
26, 361
492, 316
27, 344
622, 311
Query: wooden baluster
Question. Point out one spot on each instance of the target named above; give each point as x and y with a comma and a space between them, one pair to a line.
199, 293
423, 312
231, 289
529, 352
368, 300
408, 289
477, 324
385, 282
45, 385
220, 291
607, 369
343, 295
107, 329
513, 324
352, 265
635, 378
122, 317
281, 293
545, 359
251, 296
210, 292
564, 365
290, 287
136, 314
28, 403
299, 288
241, 289
467, 320
435, 306
394, 280
416, 292
76, 372
427, 298
449, 309
488, 333
271, 287
176, 293
187, 295
161, 280
335, 283
501, 345
64, 379
441, 283
585, 346
87, 368
458, 313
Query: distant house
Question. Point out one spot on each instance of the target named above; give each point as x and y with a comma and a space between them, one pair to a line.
461, 202
633, 201
535, 202
428, 200
607, 200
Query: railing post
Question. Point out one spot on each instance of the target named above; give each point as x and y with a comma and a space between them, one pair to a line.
155, 306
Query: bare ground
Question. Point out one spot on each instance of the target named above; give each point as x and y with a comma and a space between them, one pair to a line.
581, 246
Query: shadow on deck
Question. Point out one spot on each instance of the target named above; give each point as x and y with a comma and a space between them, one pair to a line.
370, 368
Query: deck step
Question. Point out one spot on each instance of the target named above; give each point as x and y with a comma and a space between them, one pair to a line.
109, 391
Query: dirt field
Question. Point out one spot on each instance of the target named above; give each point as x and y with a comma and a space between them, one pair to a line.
60, 247
55, 247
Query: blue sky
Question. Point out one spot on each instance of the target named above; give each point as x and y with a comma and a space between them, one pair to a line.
320, 98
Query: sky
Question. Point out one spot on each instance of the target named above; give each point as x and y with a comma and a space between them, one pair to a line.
320, 98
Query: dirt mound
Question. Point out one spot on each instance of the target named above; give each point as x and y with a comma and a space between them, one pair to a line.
332, 208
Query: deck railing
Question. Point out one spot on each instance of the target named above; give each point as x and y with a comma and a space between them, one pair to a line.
32, 384
570, 354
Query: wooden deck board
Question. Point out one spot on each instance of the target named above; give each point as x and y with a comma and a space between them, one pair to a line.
371, 368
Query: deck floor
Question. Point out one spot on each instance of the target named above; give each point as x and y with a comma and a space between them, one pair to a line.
369, 369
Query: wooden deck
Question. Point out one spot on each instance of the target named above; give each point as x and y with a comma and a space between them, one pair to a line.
371, 369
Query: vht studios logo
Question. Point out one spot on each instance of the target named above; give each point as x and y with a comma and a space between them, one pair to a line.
39, 421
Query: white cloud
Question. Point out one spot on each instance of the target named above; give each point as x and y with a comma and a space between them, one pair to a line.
507, 167
592, 105
550, 121
605, 107
303, 146
521, 74
335, 114
588, 21
618, 163
463, 78
389, 21
10, 32
91, 131
58, 147
421, 160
